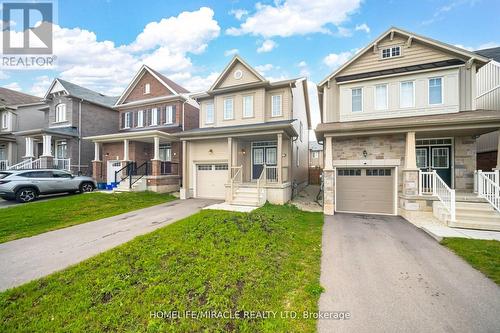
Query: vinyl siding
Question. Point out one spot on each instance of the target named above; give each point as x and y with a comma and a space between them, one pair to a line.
488, 78
229, 80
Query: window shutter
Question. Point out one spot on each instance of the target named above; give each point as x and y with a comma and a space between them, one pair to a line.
174, 109
122, 120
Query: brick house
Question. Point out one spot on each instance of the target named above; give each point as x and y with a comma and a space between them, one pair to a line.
143, 152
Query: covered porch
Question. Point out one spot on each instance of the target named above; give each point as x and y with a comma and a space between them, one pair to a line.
7, 151
146, 160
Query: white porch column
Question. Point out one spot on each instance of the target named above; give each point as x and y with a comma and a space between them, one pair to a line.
328, 154
280, 158
230, 157
410, 152
125, 150
156, 148
97, 153
328, 179
29, 147
47, 145
185, 187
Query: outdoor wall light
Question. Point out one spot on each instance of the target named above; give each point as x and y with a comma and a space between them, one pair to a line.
210, 151
283, 155
365, 153
243, 151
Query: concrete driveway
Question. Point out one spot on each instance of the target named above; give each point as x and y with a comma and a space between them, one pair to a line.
29, 258
392, 277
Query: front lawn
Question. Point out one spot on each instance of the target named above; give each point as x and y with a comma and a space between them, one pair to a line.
268, 260
35, 218
483, 255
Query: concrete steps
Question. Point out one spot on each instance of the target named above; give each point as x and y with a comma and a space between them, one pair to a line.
469, 215
247, 196
138, 186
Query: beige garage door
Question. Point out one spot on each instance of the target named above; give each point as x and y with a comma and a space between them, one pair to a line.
366, 190
210, 180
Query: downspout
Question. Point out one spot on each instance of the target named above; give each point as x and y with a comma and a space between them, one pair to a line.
80, 136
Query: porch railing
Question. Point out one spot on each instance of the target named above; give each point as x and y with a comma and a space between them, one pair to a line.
4, 165
169, 168
236, 179
271, 174
27, 164
488, 188
62, 163
261, 191
492, 175
431, 184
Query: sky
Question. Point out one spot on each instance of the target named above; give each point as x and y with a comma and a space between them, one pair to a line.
100, 44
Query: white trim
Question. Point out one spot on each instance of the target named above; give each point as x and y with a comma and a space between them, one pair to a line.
361, 95
390, 47
49, 91
429, 90
224, 109
280, 108
244, 63
243, 106
205, 111
400, 94
386, 85
147, 88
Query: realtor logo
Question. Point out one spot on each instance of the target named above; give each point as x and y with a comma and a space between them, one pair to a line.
27, 27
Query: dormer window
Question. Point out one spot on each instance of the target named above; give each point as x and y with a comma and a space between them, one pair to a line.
391, 52
60, 113
5, 120
147, 88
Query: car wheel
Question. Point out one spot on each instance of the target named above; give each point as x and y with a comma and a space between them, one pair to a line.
86, 187
26, 194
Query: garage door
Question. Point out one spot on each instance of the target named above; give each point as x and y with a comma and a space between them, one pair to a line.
365, 190
210, 180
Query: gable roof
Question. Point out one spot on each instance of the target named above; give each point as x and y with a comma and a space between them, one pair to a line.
492, 53
9, 97
86, 94
425, 40
235, 59
175, 88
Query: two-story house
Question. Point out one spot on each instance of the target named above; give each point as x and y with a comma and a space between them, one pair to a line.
400, 124
142, 153
70, 112
18, 112
252, 141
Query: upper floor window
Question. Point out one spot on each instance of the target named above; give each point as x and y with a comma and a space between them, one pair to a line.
60, 112
128, 120
389, 52
209, 113
407, 94
315, 154
381, 97
301, 134
247, 106
357, 99
228, 108
276, 106
169, 114
5, 120
140, 118
435, 90
154, 117
147, 88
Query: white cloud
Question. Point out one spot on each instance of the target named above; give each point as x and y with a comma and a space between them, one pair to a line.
4, 75
267, 46
295, 17
304, 68
334, 60
363, 27
231, 52
482, 46
12, 86
238, 13
264, 68
40, 86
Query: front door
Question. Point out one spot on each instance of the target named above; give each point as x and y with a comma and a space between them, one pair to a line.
113, 166
3, 153
262, 156
435, 158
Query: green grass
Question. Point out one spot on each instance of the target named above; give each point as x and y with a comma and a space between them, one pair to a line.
34, 218
483, 255
268, 260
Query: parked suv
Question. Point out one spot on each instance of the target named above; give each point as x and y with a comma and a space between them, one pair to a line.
27, 185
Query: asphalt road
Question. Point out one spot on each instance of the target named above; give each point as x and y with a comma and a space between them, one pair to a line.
392, 277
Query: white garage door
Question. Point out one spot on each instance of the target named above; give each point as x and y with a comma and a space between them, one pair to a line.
369, 190
210, 180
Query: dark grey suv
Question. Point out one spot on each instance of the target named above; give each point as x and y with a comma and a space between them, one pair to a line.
27, 185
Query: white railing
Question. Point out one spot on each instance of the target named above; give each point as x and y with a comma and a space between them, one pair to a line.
492, 175
261, 191
271, 174
488, 189
431, 184
4, 165
236, 179
62, 163
27, 164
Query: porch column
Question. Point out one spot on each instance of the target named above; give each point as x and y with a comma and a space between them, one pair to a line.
230, 157
410, 152
97, 153
280, 158
156, 148
155, 162
328, 179
185, 187
47, 145
29, 147
125, 150
411, 174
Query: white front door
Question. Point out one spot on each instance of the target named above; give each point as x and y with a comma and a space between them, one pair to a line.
113, 166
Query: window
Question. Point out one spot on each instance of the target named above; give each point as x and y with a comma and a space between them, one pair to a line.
435, 91
128, 120
301, 134
169, 114
247, 106
406, 94
378, 172
315, 154
166, 152
154, 117
5, 120
204, 167
297, 156
349, 172
440, 158
276, 106
140, 118
381, 97
60, 113
209, 113
61, 174
147, 88
421, 158
221, 167
258, 156
389, 52
228, 108
357, 99
271, 156
61, 149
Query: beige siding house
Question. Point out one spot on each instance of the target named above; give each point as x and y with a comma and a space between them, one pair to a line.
400, 124
252, 141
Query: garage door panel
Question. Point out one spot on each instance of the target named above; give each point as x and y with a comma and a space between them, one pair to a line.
211, 180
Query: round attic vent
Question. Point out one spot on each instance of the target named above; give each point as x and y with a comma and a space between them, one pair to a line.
238, 74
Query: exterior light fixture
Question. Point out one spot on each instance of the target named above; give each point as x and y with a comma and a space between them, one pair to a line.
365, 153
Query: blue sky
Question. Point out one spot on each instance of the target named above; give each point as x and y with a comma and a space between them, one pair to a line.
100, 44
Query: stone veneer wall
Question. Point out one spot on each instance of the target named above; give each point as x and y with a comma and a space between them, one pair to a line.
465, 163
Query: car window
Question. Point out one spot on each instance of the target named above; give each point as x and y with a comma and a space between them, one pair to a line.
60, 174
37, 174
4, 174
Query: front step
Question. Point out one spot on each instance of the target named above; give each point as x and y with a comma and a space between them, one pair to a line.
246, 196
469, 215
139, 186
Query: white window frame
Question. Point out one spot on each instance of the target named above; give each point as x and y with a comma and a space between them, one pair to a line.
154, 117
315, 154
297, 162
301, 128
429, 90
209, 106
169, 115
226, 115
390, 48
60, 110
352, 104
140, 118
386, 97
60, 143
245, 111
147, 88
401, 95
5, 120
273, 110
128, 120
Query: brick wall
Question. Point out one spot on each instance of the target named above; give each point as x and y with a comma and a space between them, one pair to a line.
487, 161
157, 89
